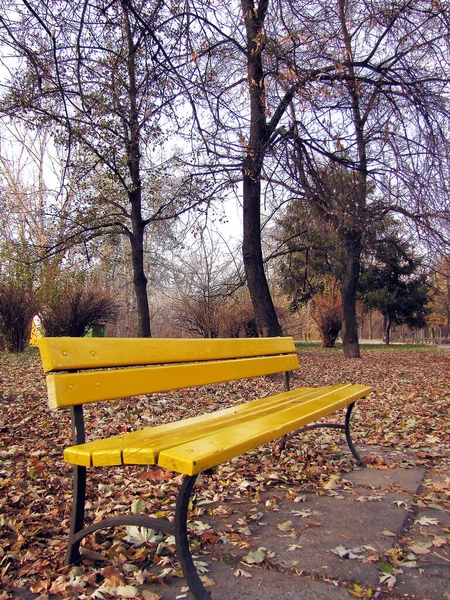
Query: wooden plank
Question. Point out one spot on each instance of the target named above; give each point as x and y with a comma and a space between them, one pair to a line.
65, 354
144, 446
211, 450
70, 389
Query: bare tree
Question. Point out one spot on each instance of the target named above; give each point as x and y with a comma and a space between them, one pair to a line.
87, 69
379, 110
360, 84
203, 277
223, 52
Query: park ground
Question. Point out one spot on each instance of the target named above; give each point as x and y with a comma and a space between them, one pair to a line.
403, 428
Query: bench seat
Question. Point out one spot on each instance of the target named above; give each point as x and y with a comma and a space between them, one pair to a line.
200, 443
297, 409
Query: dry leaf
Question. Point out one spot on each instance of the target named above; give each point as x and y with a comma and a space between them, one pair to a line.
255, 557
242, 573
418, 549
112, 577
286, 526
147, 595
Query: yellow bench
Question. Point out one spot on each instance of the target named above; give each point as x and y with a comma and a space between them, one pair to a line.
84, 370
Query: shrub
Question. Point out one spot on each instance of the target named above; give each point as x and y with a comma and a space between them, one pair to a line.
326, 311
70, 308
18, 305
236, 317
197, 315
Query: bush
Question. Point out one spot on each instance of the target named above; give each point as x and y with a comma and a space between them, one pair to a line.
214, 316
71, 308
236, 317
18, 305
326, 311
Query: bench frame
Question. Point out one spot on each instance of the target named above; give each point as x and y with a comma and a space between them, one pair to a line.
178, 528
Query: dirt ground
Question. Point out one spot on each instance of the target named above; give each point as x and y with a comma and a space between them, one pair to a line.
403, 428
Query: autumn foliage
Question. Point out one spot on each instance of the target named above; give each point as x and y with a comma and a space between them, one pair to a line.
408, 410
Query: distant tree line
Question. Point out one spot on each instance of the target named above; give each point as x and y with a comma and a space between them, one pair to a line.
332, 115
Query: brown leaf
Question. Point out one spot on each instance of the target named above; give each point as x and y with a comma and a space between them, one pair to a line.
156, 474
39, 587
112, 577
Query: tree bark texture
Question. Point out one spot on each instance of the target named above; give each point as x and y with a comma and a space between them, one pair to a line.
265, 315
135, 191
140, 280
349, 284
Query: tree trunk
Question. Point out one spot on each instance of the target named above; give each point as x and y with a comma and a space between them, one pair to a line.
135, 193
140, 280
387, 330
265, 316
352, 237
349, 285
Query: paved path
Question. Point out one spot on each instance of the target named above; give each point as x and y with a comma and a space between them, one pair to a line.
369, 533
320, 547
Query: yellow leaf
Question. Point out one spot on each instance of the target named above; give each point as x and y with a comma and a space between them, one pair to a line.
207, 581
360, 592
332, 483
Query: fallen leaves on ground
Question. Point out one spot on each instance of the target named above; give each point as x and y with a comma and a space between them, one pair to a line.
409, 408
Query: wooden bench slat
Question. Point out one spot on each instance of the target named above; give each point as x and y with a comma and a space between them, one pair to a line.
144, 447
209, 451
71, 389
65, 354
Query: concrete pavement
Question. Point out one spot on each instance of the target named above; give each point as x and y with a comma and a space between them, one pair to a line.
368, 536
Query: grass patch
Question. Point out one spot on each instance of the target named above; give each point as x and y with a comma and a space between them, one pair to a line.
399, 347
308, 345
369, 347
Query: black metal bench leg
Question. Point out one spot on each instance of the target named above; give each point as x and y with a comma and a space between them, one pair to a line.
350, 443
182, 543
345, 427
77, 515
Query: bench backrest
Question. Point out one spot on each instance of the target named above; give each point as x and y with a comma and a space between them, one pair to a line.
82, 370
